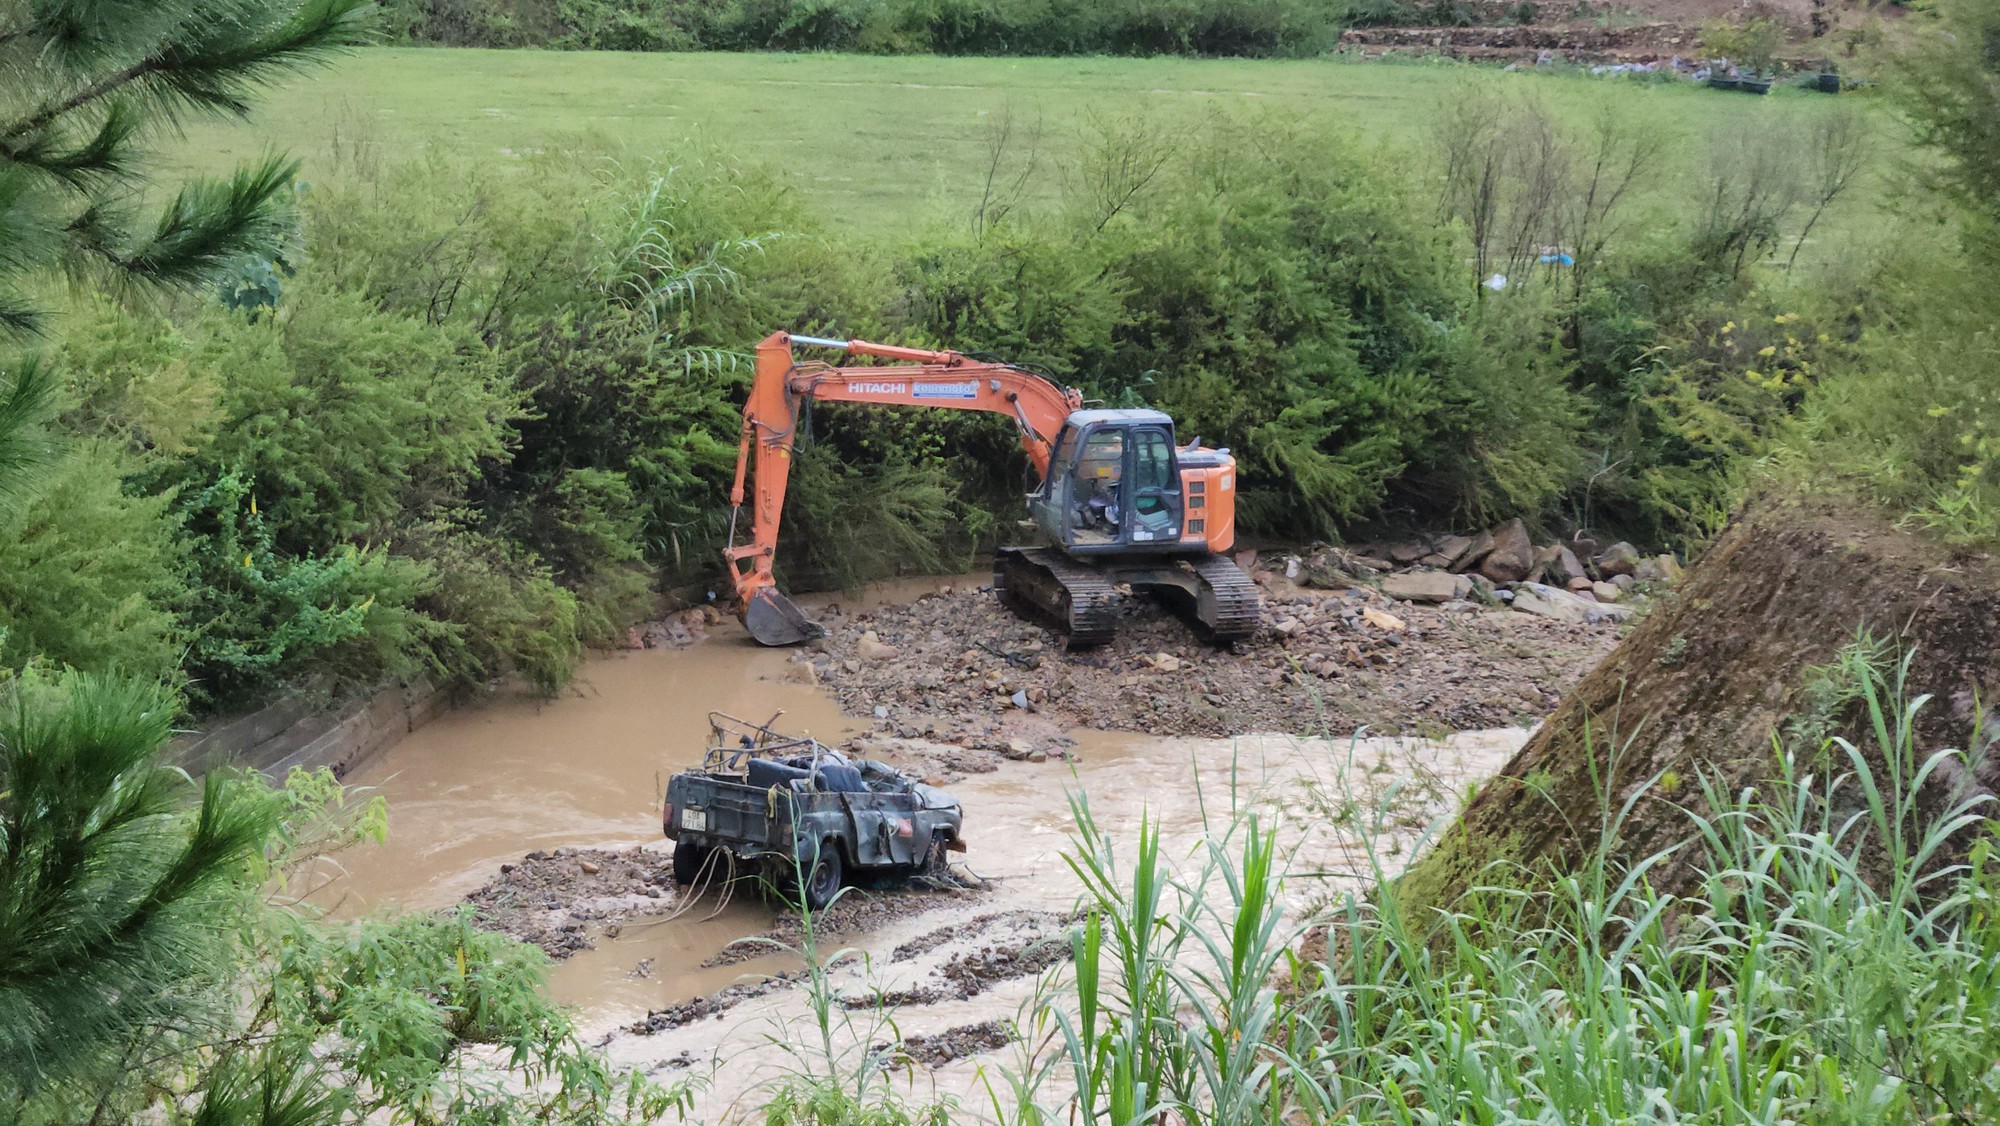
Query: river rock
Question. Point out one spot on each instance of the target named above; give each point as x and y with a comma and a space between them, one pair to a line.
1578, 585
1606, 592
1564, 567
1475, 553
1382, 619
872, 648
1409, 552
1624, 582
1426, 586
1619, 559
1513, 554
1663, 569
1452, 549
1548, 602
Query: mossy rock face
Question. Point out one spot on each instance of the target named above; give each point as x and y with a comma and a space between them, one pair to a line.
1707, 683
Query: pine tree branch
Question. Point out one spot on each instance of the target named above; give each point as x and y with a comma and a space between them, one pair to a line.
22, 409
211, 223
43, 117
214, 74
103, 156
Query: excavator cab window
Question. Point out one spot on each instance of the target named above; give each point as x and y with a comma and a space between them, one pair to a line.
1154, 490
1096, 498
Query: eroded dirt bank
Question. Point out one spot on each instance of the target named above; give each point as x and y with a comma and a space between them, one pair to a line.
545, 815
1735, 664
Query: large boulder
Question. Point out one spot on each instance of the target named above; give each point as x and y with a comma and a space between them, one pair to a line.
1453, 549
1513, 554
1426, 586
1618, 559
1564, 567
1548, 602
1408, 553
1662, 569
1475, 552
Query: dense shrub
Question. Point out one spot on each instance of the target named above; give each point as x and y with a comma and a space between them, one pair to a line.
346, 419
1289, 307
90, 577
952, 27
497, 609
261, 618
1913, 420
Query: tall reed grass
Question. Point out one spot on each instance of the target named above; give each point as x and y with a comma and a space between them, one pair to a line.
1837, 962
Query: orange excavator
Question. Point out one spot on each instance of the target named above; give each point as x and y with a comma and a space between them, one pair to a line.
1117, 499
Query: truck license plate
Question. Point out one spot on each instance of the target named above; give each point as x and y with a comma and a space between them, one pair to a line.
694, 820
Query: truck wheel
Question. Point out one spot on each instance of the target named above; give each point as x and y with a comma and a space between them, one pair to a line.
937, 859
688, 859
824, 881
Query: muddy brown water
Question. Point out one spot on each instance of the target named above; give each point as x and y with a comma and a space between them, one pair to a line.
485, 784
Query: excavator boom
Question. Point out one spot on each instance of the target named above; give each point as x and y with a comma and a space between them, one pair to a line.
925, 378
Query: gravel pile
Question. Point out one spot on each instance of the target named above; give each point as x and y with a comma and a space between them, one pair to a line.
958, 668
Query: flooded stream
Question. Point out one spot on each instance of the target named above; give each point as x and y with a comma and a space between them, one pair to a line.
490, 782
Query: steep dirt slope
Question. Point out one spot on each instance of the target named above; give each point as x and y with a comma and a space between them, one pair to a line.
1704, 684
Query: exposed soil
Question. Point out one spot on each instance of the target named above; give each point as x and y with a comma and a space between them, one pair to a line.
1723, 670
963, 683
552, 898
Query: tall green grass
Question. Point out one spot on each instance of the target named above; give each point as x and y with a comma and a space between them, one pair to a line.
1838, 962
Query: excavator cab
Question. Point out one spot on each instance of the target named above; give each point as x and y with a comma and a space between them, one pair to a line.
1113, 486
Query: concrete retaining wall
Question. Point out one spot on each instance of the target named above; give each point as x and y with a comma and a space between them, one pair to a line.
293, 732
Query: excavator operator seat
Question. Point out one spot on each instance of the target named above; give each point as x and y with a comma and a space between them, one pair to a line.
1100, 471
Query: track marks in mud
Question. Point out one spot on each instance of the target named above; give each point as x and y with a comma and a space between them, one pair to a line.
1019, 944
714, 1005
854, 912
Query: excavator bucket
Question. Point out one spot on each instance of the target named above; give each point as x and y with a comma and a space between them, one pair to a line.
774, 619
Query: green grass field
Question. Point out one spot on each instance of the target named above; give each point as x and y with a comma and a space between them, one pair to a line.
881, 144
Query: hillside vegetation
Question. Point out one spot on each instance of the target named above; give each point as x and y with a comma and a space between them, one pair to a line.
952, 27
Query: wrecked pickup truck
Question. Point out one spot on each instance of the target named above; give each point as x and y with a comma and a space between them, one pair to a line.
801, 815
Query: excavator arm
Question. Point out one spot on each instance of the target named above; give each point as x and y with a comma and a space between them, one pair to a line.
923, 378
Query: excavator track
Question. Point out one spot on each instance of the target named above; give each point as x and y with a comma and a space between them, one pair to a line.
1229, 606
1051, 588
